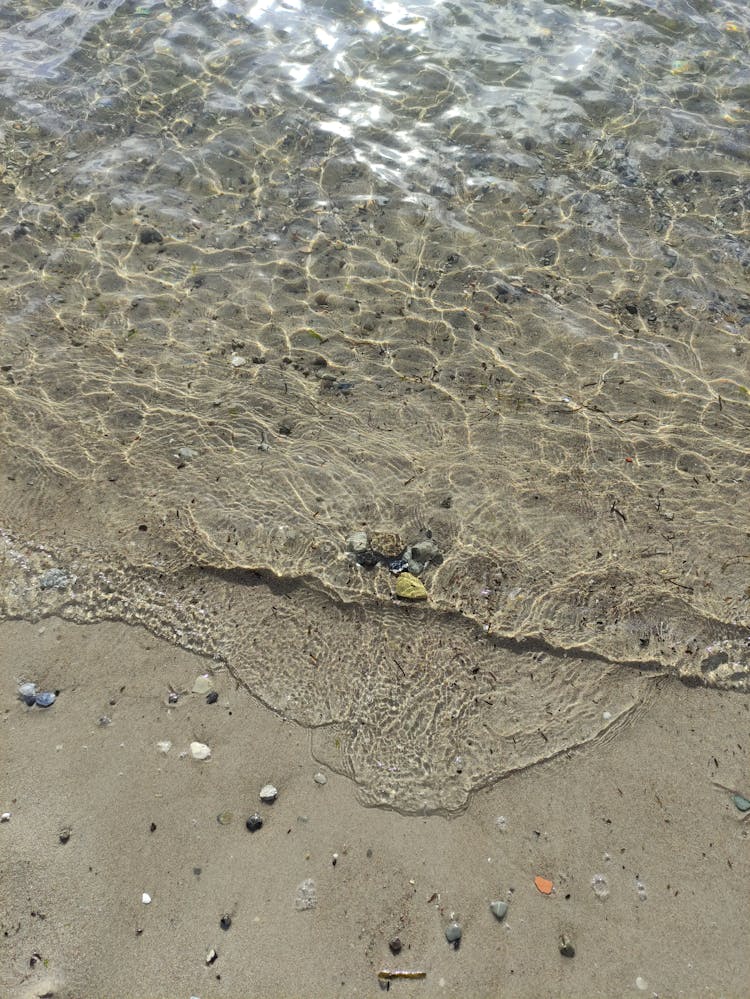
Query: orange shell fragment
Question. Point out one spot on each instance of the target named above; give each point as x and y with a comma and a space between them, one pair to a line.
544, 886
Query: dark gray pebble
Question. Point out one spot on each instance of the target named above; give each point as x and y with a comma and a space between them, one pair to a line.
395, 945
225, 922
254, 822
150, 235
65, 835
212, 697
566, 946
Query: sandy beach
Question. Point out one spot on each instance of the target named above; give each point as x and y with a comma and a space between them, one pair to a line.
100, 815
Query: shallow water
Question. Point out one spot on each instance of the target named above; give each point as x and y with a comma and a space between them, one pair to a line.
273, 273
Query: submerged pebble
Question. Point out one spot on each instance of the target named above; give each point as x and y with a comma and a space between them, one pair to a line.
408, 587
358, 542
54, 579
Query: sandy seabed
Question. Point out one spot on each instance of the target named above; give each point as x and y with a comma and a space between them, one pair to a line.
640, 809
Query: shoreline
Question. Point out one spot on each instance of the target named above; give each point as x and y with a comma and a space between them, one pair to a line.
638, 808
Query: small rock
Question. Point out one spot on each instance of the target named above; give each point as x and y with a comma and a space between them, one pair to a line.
200, 751
6, 817
358, 542
369, 559
187, 453
600, 887
164, 746
741, 803
237, 360
45, 700
146, 898
425, 551
499, 909
203, 684
211, 956
54, 579
307, 895
268, 794
453, 933
27, 693
225, 922
149, 235
65, 835
408, 587
397, 565
212, 697
320, 778
254, 823
566, 947
395, 945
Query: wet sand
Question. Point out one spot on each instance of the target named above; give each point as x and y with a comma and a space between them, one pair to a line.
640, 809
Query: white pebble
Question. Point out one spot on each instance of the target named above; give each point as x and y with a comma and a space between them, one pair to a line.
200, 751
238, 360
164, 746
268, 794
641, 984
145, 898
5, 817
320, 778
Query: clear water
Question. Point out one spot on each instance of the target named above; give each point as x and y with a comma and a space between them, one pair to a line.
271, 273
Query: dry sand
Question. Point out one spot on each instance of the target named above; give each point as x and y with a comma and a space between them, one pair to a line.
640, 809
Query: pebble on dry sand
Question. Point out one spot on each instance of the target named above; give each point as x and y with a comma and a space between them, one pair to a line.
307, 895
499, 909
395, 945
200, 751
566, 946
254, 823
268, 794
453, 933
